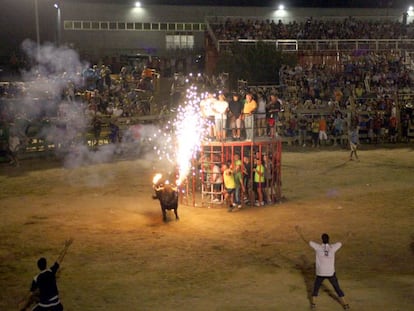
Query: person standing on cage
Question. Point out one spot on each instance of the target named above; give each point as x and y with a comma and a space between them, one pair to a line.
249, 108
325, 266
235, 116
220, 107
207, 113
273, 108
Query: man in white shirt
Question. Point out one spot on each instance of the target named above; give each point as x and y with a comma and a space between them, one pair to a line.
220, 108
325, 266
207, 113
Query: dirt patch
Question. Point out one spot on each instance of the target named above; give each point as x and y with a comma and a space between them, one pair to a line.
125, 258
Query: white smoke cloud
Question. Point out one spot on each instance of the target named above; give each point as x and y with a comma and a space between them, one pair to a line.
50, 72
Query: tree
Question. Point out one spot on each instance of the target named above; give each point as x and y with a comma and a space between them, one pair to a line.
259, 63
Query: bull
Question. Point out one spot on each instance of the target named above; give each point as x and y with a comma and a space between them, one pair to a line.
168, 197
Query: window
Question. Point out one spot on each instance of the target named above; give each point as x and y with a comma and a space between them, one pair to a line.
179, 41
68, 25
124, 25
196, 27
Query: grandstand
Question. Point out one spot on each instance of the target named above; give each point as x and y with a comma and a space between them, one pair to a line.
371, 50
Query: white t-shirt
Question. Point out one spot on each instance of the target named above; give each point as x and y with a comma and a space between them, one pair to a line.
325, 257
220, 108
217, 176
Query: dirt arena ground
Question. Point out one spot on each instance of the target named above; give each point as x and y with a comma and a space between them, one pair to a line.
125, 258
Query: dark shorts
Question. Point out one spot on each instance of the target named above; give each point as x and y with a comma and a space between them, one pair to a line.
259, 185
229, 191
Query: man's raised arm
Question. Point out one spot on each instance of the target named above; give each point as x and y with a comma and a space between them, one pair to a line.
62, 254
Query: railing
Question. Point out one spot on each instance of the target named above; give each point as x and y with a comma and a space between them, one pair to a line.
327, 45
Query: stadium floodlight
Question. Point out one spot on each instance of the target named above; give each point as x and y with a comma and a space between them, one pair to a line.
137, 4
410, 8
281, 7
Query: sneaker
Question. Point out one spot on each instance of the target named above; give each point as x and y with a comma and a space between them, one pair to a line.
216, 200
239, 206
257, 204
262, 203
346, 307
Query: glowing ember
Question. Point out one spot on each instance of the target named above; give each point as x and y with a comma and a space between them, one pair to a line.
156, 178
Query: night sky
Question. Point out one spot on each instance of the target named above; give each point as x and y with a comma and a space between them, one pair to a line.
287, 3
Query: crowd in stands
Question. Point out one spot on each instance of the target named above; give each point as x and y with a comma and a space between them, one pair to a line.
347, 28
320, 103
371, 91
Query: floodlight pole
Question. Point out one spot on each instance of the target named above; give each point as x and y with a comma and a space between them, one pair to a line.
37, 26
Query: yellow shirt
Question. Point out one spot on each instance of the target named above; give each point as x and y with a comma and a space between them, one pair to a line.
259, 174
228, 178
249, 107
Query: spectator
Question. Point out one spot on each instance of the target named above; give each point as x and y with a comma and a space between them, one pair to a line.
259, 182
249, 108
235, 116
238, 178
220, 108
247, 172
229, 186
315, 132
303, 130
217, 181
273, 108
392, 129
353, 143
323, 137
338, 128
261, 115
